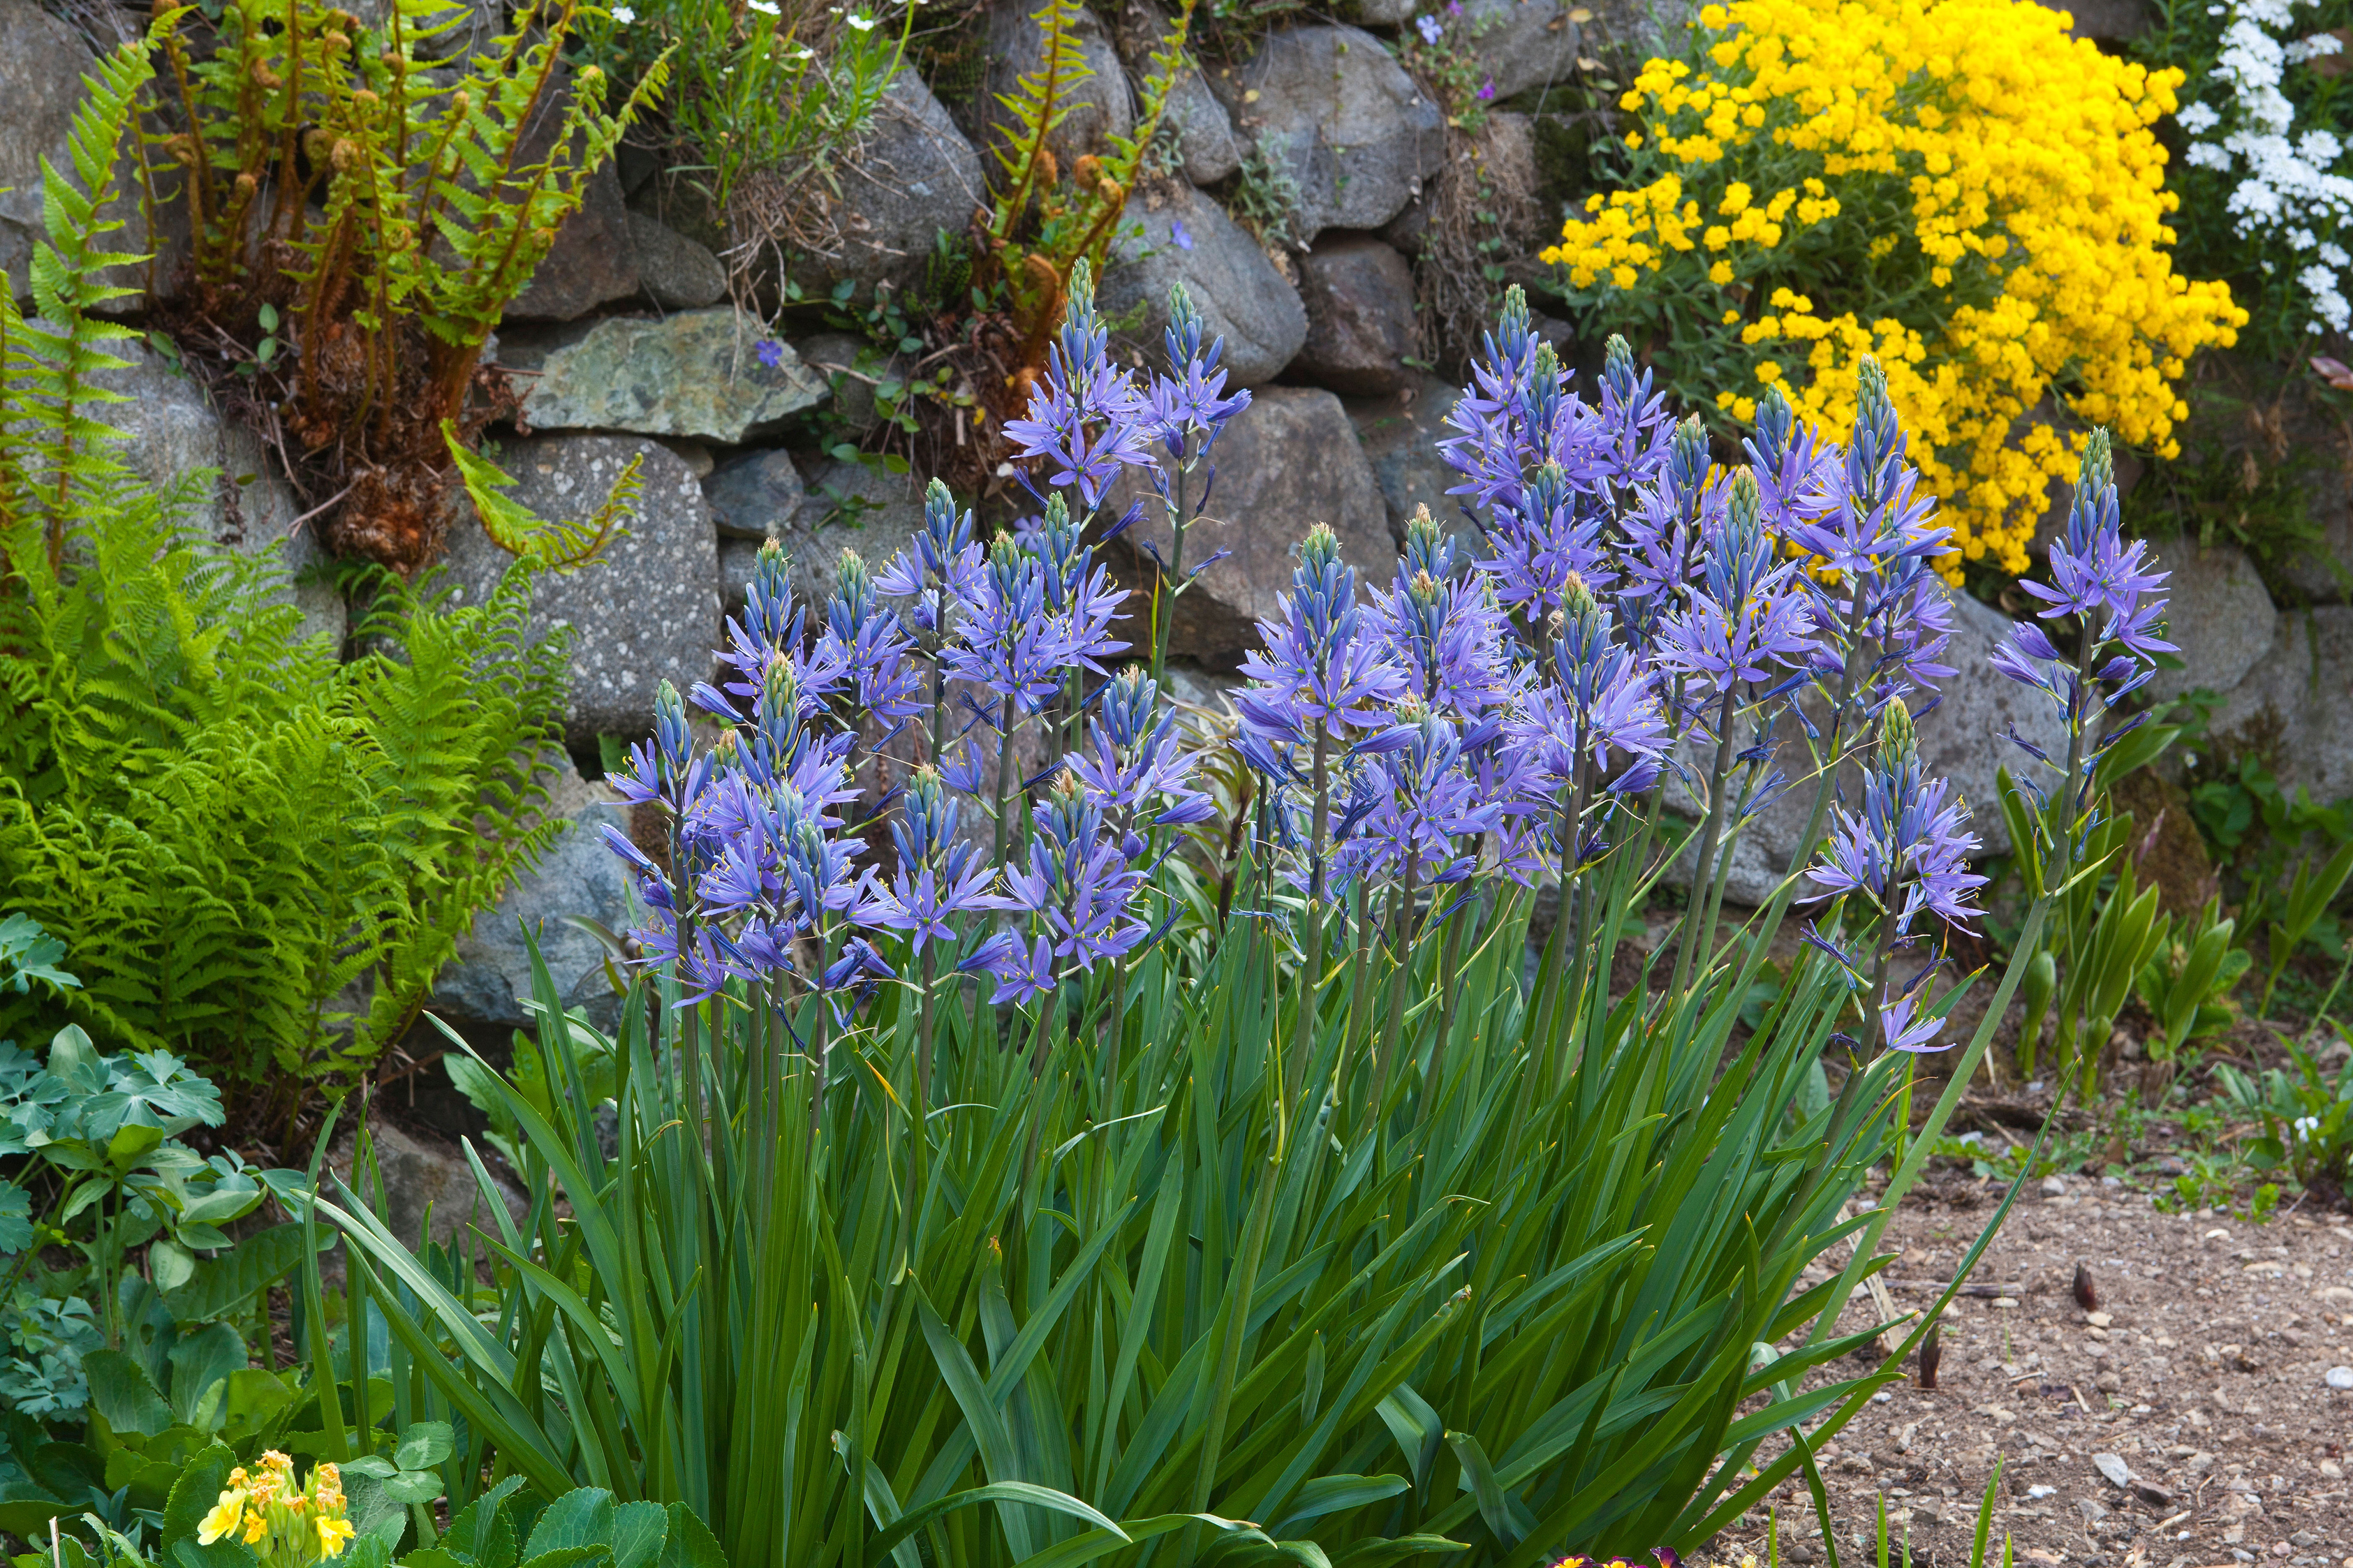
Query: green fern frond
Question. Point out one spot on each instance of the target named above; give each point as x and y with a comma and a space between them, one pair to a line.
1170, 59
52, 359
561, 546
1040, 102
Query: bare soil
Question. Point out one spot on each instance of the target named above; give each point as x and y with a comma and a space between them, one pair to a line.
2203, 1370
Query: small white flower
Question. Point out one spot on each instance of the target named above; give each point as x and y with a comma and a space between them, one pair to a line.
862, 23
624, 16
765, 7
2198, 119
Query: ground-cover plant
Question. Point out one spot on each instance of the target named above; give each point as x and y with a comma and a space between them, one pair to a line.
1959, 188
1319, 1218
2267, 196
256, 854
2306, 1119
362, 210
97, 1189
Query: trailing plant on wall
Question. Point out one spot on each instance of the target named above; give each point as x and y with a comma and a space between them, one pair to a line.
363, 209
1959, 188
762, 101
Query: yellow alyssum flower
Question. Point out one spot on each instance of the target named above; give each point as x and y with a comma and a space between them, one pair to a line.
1996, 191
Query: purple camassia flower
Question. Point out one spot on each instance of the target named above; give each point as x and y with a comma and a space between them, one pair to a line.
1021, 975
1907, 853
1077, 882
1748, 619
1554, 533
1430, 29
938, 878
757, 849
940, 565
2104, 582
1007, 638
1873, 537
1422, 806
1082, 415
1896, 1025
1449, 630
1078, 589
1187, 402
1665, 534
1601, 709
1133, 763
1516, 416
1321, 671
872, 645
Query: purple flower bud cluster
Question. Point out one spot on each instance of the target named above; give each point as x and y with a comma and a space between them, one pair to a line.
1412, 726
892, 700
1520, 713
1903, 856
2105, 585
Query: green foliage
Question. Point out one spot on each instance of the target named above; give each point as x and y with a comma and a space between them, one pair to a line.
257, 856
1449, 65
372, 207
1265, 198
1149, 1288
2289, 857
2186, 983
28, 954
561, 545
57, 463
95, 1170
2106, 936
507, 1526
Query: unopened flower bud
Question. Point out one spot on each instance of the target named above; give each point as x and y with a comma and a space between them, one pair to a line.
1688, 460
2099, 469
1899, 742
1320, 549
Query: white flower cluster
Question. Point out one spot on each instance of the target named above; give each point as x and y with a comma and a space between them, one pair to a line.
2288, 190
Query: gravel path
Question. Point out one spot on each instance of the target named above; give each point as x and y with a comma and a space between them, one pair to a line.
2193, 1418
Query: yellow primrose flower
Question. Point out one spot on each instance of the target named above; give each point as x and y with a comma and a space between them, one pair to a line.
223, 1518
334, 1534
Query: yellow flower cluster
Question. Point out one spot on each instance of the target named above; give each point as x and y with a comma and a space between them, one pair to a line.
1979, 199
288, 1525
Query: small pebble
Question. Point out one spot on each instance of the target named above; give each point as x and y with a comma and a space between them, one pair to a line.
2339, 1377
